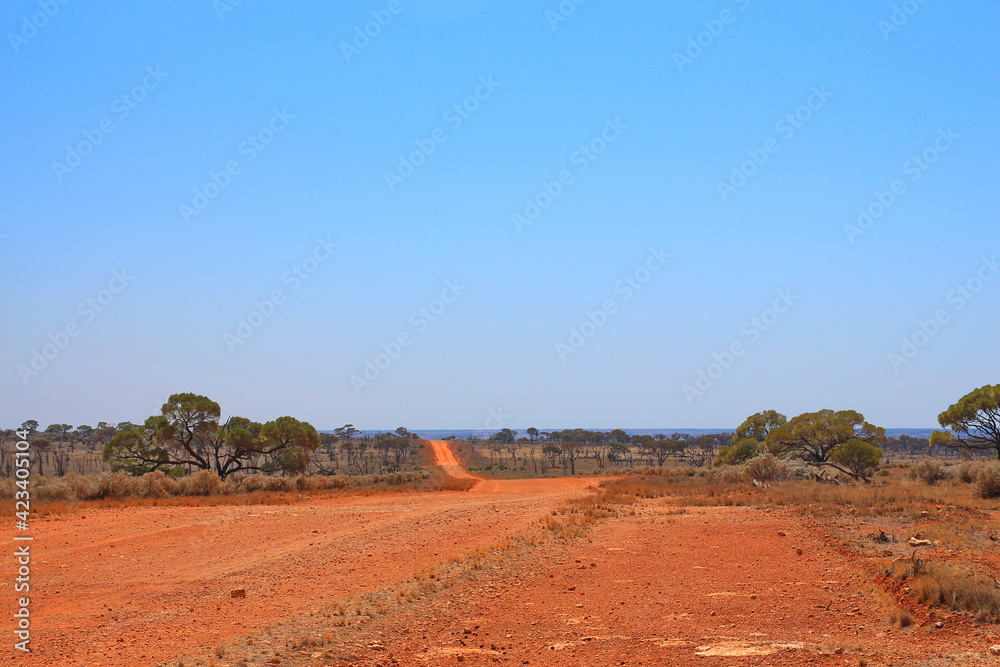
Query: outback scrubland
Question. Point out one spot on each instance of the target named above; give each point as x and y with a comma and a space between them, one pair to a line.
810, 540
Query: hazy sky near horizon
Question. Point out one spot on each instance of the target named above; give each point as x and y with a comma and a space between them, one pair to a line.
496, 214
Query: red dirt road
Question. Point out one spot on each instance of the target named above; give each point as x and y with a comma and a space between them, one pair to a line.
137, 585
715, 586
709, 586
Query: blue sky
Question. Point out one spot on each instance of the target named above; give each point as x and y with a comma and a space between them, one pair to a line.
616, 99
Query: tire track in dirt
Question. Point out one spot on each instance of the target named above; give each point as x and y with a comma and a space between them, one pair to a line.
711, 586
136, 585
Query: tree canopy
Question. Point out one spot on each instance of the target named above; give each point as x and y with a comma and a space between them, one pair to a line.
817, 437
974, 421
187, 434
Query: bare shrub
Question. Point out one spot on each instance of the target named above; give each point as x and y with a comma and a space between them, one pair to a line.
47, 489
258, 483
114, 485
768, 468
987, 484
929, 471
967, 471
202, 483
951, 587
157, 485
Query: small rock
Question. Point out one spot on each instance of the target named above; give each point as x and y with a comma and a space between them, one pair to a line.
798, 552
571, 588
995, 649
939, 625
915, 542
238, 593
467, 631
782, 533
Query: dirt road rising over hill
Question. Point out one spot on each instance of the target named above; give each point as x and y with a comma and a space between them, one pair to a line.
656, 585
137, 585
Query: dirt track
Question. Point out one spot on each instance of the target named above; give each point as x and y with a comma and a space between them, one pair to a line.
709, 586
133, 586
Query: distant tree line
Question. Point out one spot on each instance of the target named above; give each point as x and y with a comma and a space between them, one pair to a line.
188, 435
829, 441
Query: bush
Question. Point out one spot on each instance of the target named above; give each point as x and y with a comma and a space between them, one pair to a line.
157, 485
929, 471
858, 456
967, 471
768, 468
114, 485
202, 483
987, 484
959, 590
737, 453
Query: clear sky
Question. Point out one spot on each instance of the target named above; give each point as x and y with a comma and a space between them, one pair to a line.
650, 175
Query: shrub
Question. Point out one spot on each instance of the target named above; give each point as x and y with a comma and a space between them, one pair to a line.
967, 471
115, 485
987, 484
768, 468
929, 471
157, 485
858, 456
948, 586
737, 453
202, 483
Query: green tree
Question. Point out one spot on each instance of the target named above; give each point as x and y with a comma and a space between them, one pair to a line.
858, 457
346, 432
187, 433
757, 426
974, 421
287, 443
617, 451
504, 435
814, 437
137, 451
739, 452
